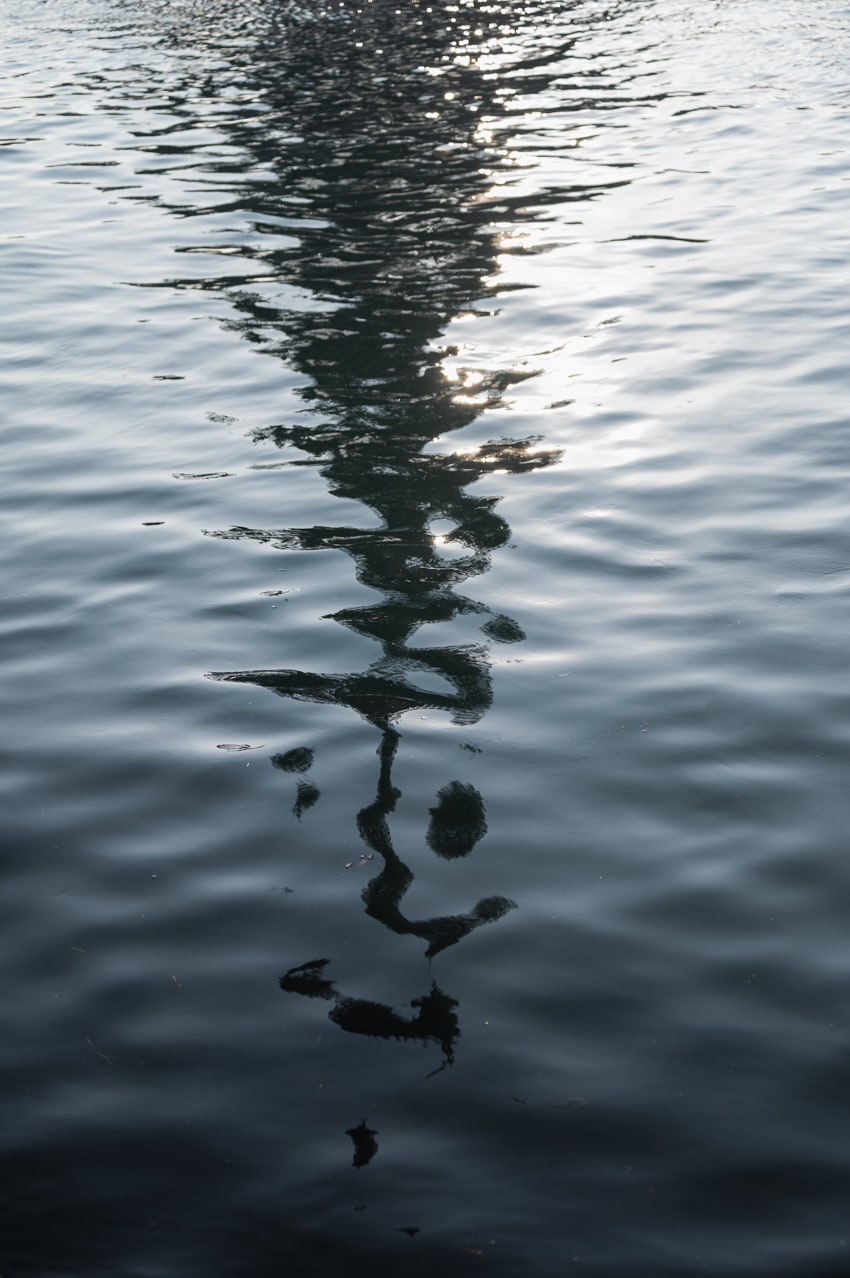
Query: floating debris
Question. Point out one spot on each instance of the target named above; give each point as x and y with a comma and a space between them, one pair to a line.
110, 1060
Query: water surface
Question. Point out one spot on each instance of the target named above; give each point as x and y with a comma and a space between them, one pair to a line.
426, 705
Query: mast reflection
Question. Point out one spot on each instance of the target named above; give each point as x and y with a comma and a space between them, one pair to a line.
389, 196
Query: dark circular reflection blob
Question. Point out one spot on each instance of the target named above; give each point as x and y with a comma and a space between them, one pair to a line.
297, 760
457, 822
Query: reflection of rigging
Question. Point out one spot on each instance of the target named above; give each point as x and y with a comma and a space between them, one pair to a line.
434, 1019
457, 823
388, 198
400, 560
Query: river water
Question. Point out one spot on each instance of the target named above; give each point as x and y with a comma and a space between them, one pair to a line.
426, 570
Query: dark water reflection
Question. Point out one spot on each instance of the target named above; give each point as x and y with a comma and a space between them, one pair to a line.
394, 238
376, 209
240, 1056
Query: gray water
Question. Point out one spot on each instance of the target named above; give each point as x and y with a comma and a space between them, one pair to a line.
426, 707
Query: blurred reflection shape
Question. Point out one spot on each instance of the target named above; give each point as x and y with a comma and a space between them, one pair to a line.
384, 180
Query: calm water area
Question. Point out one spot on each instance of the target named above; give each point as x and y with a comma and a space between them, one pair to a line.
426, 689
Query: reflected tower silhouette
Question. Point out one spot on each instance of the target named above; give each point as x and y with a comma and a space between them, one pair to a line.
390, 195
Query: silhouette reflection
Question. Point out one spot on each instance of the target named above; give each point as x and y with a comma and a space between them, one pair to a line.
365, 1145
434, 1019
401, 560
390, 201
457, 823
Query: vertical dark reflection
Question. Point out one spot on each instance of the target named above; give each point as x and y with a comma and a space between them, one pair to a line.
390, 164
384, 177
372, 192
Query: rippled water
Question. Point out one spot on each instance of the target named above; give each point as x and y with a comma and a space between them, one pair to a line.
425, 746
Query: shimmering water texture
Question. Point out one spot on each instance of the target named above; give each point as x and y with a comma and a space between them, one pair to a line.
425, 752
